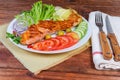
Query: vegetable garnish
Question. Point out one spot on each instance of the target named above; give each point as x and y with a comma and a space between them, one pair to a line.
81, 29
38, 12
56, 43
61, 14
15, 39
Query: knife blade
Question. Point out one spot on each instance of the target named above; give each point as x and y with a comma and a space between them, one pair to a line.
113, 40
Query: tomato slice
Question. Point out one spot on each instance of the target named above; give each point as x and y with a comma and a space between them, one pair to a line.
43, 45
29, 46
64, 41
59, 42
56, 43
73, 35
47, 44
71, 40
37, 46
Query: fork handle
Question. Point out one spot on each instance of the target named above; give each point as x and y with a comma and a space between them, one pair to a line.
107, 54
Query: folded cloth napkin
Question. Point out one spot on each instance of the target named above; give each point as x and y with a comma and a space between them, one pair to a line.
35, 62
98, 59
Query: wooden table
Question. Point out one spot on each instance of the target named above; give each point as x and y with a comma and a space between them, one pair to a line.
79, 67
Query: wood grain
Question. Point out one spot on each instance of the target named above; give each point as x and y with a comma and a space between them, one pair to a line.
115, 46
107, 53
79, 67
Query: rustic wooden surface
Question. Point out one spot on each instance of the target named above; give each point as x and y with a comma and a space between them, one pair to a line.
79, 67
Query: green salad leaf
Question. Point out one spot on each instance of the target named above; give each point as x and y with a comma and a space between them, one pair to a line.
61, 14
38, 12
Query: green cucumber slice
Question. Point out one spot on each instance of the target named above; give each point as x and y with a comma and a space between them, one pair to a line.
81, 29
85, 27
79, 34
84, 30
83, 23
82, 26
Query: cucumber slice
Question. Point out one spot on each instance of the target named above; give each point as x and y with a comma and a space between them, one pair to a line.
83, 23
82, 32
82, 26
85, 27
79, 34
81, 29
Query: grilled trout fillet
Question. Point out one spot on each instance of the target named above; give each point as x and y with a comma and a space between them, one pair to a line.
37, 32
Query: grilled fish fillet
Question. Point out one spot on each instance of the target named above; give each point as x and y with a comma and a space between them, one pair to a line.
37, 32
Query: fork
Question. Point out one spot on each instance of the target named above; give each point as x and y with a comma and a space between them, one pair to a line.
106, 51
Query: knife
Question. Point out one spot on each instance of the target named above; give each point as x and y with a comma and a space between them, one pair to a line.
113, 40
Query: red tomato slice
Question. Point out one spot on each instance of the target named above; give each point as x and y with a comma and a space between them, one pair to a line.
64, 41
71, 40
47, 44
56, 43
37, 46
43, 45
59, 42
29, 46
73, 35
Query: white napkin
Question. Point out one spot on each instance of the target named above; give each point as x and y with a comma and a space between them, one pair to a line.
99, 61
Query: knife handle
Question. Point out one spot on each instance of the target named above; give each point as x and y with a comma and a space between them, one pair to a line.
115, 46
107, 53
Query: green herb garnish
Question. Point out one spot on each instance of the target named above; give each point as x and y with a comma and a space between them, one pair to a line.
15, 39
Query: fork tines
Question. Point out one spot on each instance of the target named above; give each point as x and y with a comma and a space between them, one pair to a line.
98, 19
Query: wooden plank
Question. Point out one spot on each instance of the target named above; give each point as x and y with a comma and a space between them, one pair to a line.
18, 74
76, 64
75, 76
15, 74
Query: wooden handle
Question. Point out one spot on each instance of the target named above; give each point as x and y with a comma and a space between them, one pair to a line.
107, 54
115, 46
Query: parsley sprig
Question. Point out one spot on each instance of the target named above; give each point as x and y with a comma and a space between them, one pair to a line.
15, 39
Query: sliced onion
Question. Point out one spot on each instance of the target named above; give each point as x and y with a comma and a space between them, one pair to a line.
19, 27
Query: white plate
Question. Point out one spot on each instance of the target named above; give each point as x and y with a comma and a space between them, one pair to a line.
77, 45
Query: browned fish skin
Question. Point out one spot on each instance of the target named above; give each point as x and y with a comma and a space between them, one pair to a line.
38, 31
